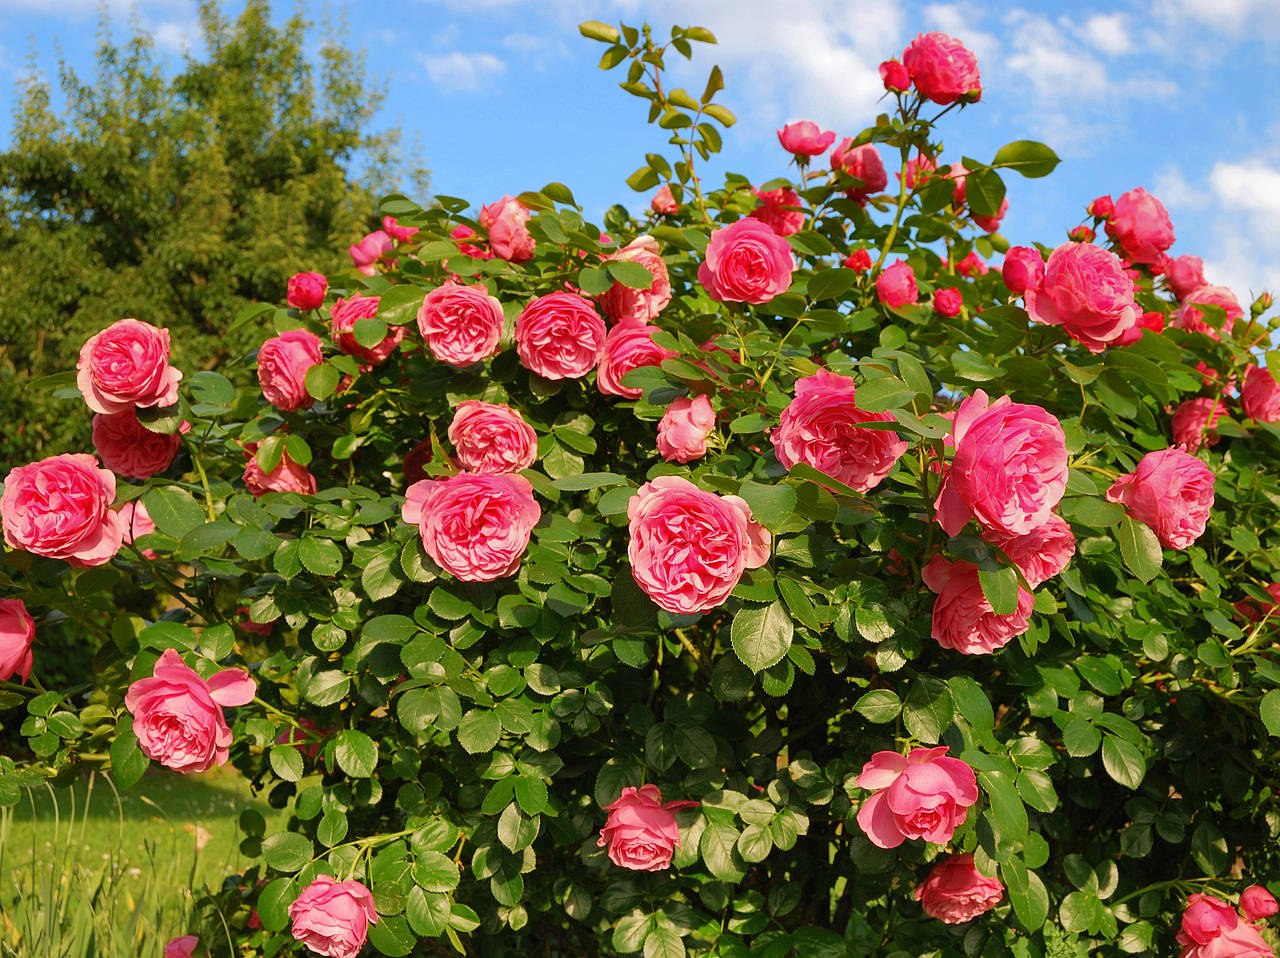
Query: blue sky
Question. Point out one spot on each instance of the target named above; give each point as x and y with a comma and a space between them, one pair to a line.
1179, 96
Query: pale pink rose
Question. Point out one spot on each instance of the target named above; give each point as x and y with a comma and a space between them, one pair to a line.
560, 336
864, 164
1170, 491
663, 203
688, 547
1212, 929
306, 290
177, 715
859, 261
958, 173
1009, 469
821, 427
621, 302
1039, 554
779, 211
963, 619
130, 449
60, 508
895, 77
1189, 318
956, 891
1193, 422
992, 223
127, 365
942, 69
283, 362
1085, 291
641, 831
332, 917
1260, 396
919, 169
365, 254
137, 523
461, 324
746, 262
896, 285
287, 476
509, 237
685, 426
972, 266
1023, 269
948, 302
17, 632
492, 438
805, 138
628, 346
342, 317
181, 947
393, 229
1140, 225
1257, 904
1151, 320
1101, 207
476, 527
1185, 275
924, 794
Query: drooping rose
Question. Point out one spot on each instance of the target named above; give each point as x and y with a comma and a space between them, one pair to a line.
963, 619
1101, 207
746, 262
628, 346
863, 163
373, 247
245, 622
1140, 225
509, 237
332, 917
287, 476
1260, 396
948, 302
130, 449
684, 428
306, 290
1189, 318
896, 285
60, 508
400, 233
1257, 903
283, 362
641, 831
1039, 554
560, 336
492, 437
1023, 269
942, 69
1185, 275
805, 138
621, 302
461, 325
992, 223
17, 633
125, 366
663, 203
779, 211
924, 794
342, 317
956, 891
1085, 291
183, 946
1193, 422
895, 77
1170, 491
475, 527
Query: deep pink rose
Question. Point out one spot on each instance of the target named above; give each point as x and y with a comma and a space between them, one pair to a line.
560, 336
688, 547
1170, 491
621, 302
992, 223
1085, 291
1140, 225
1153, 321
181, 947
343, 315
895, 77
287, 476
685, 426
137, 523
919, 169
462, 232
253, 628
393, 229
1190, 318
127, 365
306, 290
746, 262
956, 891
1260, 396
641, 831
663, 202
177, 715
805, 138
896, 285
130, 449
60, 508
1023, 269
1185, 275
864, 164
779, 210
628, 346
948, 302
924, 794
1240, 941
283, 362
509, 238
1101, 207
972, 266
17, 632
491, 437
1081, 234
1193, 422
942, 69
1039, 554
461, 324
1257, 903
366, 253
821, 427
859, 260
332, 917
963, 619
476, 527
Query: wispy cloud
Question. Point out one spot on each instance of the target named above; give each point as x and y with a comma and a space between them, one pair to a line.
461, 71
1246, 245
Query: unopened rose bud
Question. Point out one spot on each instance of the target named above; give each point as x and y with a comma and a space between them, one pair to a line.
895, 76
1081, 234
1102, 207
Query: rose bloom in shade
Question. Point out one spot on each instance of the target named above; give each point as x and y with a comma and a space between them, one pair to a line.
896, 285
1140, 226
283, 362
621, 302
248, 625
476, 527
492, 437
137, 523
919, 169
1085, 291
1039, 554
130, 449
1212, 929
1101, 208
663, 203
17, 632
641, 831
177, 715
859, 261
1260, 396
805, 138
628, 346
332, 917
948, 302
689, 547
60, 508
1257, 903
366, 253
992, 223
963, 619
1189, 318
183, 946
942, 69
924, 794
509, 238
1153, 321
1184, 274
397, 232
820, 427
1023, 269
1193, 422
777, 210
972, 266
463, 232
685, 426
746, 262
560, 336
863, 163
306, 290
1009, 469
956, 891
1170, 491
895, 77
127, 365
343, 315
287, 476
461, 325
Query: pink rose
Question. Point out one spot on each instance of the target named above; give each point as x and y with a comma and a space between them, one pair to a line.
366, 253
1185, 275
343, 315
283, 362
805, 138
688, 547
779, 210
1023, 269
560, 336
919, 169
130, 449
746, 262
1260, 396
1101, 208
948, 302
461, 324
896, 285
685, 426
1170, 491
863, 163
1193, 422
859, 261
628, 346
60, 508
461, 232
306, 290
942, 69
992, 223
1212, 929
621, 302
1081, 234
895, 77
332, 918
1039, 554
925, 794
137, 523
306, 737
508, 236
963, 619
641, 831
17, 632
1085, 291
393, 229
476, 527
972, 266
956, 891
177, 715
821, 427
1257, 903
492, 438
1009, 470
127, 365
1189, 318
1141, 226
663, 203
1153, 321
287, 476
181, 947
958, 173
248, 625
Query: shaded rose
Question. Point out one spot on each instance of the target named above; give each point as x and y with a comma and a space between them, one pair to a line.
948, 302
1257, 903
1140, 225
332, 917
182, 947
864, 164
972, 266
625, 302
963, 619
396, 231
492, 437
746, 262
896, 285
1151, 320
305, 737
919, 169
254, 628
1185, 275
127, 365
663, 202
130, 449
17, 633
137, 523
342, 323
628, 346
370, 249
1193, 422
461, 325
895, 77
1039, 554
287, 476
1189, 318
283, 362
1101, 208
779, 211
462, 232
805, 138
924, 794
560, 336
1170, 491
1260, 396
1212, 929
992, 223
858, 260
415, 461
60, 508
956, 891
306, 290
475, 527
684, 428
509, 238
1023, 269
1085, 291
942, 68
641, 831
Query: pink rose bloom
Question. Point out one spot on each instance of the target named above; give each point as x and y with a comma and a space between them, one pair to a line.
919, 168
992, 223
805, 138
461, 232
130, 449
820, 427
560, 336
1039, 554
1085, 291
492, 438
688, 547
1153, 321
476, 527
1081, 234
181, 947
332, 918
1260, 396
972, 266
60, 508
864, 164
1009, 469
137, 523
948, 302
248, 625
1212, 929
1193, 422
859, 260
1250, 610
508, 236
896, 285
366, 253
1023, 269
685, 426
746, 262
307, 745
621, 302
461, 324
924, 794
641, 831
777, 210
1185, 275
963, 619
958, 173
127, 365
1257, 903
1170, 491
1101, 207
17, 632
956, 891
393, 229
895, 77
1190, 318
306, 290
628, 346
663, 203
343, 315
942, 69
1141, 226
287, 476
283, 362
177, 715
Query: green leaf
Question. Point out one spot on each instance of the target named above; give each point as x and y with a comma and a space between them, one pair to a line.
287, 851
369, 331
771, 505
971, 704
173, 510
391, 936
630, 274
720, 852
515, 830
1139, 548
928, 709
595, 30
1007, 814
322, 380
590, 480
1080, 738
380, 578
1027, 157
428, 914
761, 635
1000, 586
356, 752
273, 903
286, 761
1209, 849
128, 764
435, 872
664, 941
1027, 893
1123, 761
332, 828
479, 731
831, 283
879, 705
210, 387
1269, 711
320, 556
984, 191
884, 393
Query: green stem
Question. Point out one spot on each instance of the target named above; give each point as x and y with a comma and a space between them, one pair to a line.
897, 216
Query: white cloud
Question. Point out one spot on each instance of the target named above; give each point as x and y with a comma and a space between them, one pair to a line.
1172, 188
961, 20
1108, 33
1051, 61
1246, 245
172, 36
1223, 16
461, 71
1253, 187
